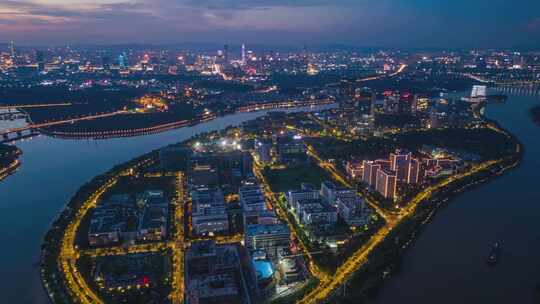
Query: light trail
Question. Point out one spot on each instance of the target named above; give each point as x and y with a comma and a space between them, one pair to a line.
69, 253
28, 106
4, 172
60, 122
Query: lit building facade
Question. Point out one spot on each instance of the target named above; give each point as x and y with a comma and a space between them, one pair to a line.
386, 183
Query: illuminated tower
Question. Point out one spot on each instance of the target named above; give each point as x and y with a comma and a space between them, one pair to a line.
370, 172
12, 49
373, 103
414, 172
40, 59
226, 53
243, 54
386, 183
400, 162
122, 60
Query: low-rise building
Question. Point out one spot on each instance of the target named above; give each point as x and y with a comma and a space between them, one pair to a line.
330, 192
112, 220
209, 214
214, 274
252, 198
268, 238
316, 212
153, 223
306, 192
353, 210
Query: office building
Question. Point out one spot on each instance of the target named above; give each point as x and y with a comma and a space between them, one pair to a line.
213, 274
266, 217
353, 210
267, 238
203, 174
153, 224
307, 191
316, 212
330, 192
252, 198
209, 214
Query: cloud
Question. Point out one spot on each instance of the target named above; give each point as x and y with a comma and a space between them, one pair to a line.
364, 22
263, 4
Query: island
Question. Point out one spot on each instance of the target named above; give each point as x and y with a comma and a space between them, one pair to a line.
287, 208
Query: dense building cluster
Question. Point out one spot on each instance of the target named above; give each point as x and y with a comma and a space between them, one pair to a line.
124, 218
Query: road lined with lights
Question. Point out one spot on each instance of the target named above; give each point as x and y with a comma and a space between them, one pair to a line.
330, 168
28, 106
60, 122
327, 286
400, 70
177, 244
69, 252
282, 213
4, 172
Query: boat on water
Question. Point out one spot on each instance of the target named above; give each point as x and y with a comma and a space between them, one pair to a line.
494, 254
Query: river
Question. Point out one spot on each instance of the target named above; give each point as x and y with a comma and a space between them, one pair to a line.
447, 263
51, 172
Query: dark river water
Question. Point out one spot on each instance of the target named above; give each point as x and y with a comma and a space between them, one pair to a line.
51, 172
447, 263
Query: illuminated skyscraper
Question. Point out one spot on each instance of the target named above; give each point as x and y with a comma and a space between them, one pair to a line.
386, 183
400, 161
40, 59
226, 53
122, 60
370, 172
243, 54
373, 103
12, 49
414, 171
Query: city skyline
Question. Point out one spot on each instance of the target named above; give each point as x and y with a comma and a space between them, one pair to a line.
388, 23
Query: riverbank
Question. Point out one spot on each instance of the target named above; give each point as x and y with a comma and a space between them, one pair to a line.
93, 130
386, 259
9, 163
397, 237
58, 271
8, 160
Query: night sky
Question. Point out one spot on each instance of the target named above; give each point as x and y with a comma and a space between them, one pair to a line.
384, 23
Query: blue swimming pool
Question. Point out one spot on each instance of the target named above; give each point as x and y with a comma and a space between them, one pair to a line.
264, 269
